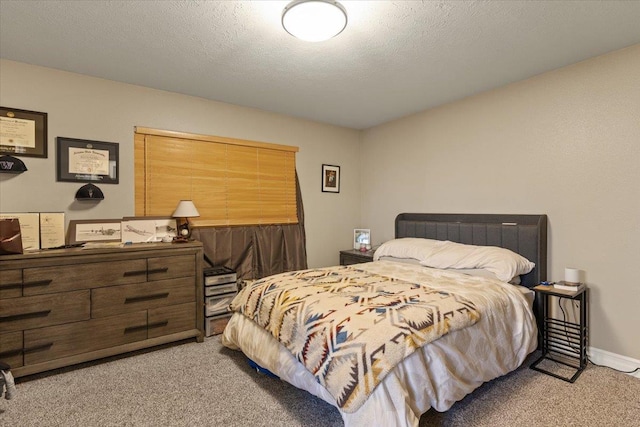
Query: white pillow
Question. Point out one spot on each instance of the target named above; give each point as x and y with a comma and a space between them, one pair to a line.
412, 261
481, 272
408, 247
502, 262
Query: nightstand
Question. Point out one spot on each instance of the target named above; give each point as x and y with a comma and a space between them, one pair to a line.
563, 342
354, 256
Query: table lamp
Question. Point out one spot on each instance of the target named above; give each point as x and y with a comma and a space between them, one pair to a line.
185, 209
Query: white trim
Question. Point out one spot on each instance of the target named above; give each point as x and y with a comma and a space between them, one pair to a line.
613, 360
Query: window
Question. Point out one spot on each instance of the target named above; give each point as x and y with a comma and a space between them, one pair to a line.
231, 181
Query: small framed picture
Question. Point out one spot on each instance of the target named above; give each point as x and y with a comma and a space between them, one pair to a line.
361, 236
94, 230
330, 179
148, 229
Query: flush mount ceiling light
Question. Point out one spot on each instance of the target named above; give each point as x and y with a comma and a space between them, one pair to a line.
314, 20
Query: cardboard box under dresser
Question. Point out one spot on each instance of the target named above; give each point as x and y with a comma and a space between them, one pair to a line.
67, 306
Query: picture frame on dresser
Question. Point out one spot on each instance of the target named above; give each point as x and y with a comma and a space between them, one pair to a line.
94, 230
145, 229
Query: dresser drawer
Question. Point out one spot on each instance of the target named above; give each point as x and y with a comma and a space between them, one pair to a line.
54, 342
169, 320
43, 310
218, 304
11, 349
220, 289
220, 279
141, 296
161, 268
45, 280
215, 325
10, 283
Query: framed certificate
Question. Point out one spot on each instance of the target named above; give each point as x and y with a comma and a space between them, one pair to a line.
51, 230
23, 132
81, 160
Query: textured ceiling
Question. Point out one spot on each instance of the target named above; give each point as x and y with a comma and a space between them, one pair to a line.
394, 58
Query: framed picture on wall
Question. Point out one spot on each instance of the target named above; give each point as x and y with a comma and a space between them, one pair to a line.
81, 160
330, 179
23, 132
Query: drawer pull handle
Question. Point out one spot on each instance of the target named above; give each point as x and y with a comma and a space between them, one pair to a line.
21, 316
160, 324
11, 286
159, 270
131, 329
10, 353
135, 273
26, 350
38, 348
38, 283
146, 297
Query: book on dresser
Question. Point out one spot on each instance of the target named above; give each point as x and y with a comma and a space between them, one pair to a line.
568, 286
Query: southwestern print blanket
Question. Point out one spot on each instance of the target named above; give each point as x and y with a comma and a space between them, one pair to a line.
349, 327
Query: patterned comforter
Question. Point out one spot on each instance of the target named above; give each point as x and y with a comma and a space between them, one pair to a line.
349, 327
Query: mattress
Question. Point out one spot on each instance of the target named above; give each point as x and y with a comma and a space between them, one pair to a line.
436, 375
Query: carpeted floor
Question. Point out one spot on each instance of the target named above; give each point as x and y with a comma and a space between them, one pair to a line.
208, 385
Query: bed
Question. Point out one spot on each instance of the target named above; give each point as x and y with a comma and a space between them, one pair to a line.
441, 331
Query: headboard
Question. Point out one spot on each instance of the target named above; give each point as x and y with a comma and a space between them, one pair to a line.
523, 234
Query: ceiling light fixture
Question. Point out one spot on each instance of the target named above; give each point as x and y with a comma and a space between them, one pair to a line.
314, 20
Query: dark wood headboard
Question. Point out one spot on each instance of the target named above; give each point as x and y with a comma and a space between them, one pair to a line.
523, 234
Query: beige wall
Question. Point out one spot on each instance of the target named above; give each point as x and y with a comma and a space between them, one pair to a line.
565, 143
90, 108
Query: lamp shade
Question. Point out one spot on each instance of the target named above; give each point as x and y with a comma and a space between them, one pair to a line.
314, 20
186, 209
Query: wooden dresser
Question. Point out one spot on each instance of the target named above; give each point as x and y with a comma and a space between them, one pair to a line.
63, 307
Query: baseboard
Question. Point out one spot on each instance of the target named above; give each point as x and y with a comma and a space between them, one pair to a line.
613, 360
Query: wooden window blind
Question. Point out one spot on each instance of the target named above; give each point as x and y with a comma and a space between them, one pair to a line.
231, 181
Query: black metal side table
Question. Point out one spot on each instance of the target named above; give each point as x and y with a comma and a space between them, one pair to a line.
563, 341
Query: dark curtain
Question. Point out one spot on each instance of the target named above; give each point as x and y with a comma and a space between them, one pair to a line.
257, 251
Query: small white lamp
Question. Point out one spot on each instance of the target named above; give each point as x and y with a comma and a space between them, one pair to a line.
185, 209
